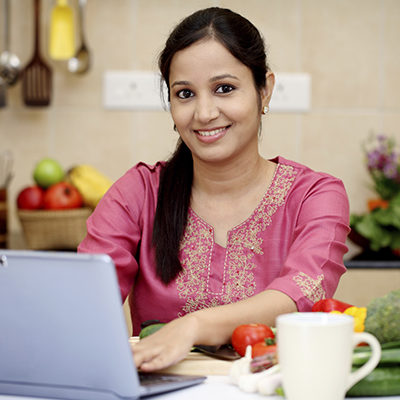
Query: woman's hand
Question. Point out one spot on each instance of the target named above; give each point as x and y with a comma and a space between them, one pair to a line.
167, 346
211, 326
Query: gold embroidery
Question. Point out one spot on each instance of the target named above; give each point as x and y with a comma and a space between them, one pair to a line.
311, 288
238, 281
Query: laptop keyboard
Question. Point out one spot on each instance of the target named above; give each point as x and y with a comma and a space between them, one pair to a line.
154, 378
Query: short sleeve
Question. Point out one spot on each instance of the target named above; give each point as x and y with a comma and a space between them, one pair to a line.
314, 262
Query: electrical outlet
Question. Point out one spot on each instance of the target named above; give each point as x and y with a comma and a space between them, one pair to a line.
292, 93
132, 90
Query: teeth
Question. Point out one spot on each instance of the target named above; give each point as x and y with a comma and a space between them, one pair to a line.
210, 133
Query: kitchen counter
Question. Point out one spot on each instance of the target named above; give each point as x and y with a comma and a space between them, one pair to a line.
371, 264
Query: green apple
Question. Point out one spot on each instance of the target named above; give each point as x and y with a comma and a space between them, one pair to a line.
47, 172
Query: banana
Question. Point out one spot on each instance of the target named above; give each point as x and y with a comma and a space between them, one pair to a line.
90, 182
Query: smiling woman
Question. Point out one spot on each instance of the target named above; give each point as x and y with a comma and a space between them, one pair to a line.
215, 104
218, 236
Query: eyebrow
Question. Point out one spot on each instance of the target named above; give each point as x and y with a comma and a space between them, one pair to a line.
223, 76
213, 79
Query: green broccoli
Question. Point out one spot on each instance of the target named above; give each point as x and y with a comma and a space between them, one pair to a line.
383, 317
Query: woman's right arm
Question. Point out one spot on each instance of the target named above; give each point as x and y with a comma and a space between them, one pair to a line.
114, 228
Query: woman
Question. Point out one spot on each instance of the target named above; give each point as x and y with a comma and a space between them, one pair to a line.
218, 236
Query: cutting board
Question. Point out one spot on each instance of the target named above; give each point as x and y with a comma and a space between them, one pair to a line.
196, 364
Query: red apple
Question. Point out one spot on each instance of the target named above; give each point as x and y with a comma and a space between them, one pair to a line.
62, 196
31, 198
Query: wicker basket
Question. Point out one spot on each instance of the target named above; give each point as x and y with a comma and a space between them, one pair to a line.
54, 230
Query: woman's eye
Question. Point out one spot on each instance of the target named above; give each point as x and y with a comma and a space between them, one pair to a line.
184, 94
225, 89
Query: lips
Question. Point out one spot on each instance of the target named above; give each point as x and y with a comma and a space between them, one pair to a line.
211, 135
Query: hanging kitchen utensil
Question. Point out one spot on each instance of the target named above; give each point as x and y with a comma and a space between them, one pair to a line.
3, 93
9, 62
80, 63
6, 168
62, 31
37, 75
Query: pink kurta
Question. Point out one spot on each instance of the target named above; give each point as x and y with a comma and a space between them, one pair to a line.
293, 242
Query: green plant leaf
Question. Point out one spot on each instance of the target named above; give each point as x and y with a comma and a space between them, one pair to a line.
383, 216
370, 229
395, 240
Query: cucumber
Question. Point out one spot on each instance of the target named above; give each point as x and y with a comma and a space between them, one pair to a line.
148, 330
390, 345
382, 381
387, 345
389, 356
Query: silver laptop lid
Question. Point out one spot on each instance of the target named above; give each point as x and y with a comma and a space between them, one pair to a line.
62, 328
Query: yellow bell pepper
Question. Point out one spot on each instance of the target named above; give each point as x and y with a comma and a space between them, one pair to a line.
358, 313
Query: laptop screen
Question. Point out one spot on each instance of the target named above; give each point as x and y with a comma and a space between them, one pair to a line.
63, 331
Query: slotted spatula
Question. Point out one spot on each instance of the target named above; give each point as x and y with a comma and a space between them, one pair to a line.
37, 75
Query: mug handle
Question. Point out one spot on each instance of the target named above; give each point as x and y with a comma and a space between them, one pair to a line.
373, 361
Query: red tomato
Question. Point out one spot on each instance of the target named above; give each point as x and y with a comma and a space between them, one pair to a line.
249, 334
262, 348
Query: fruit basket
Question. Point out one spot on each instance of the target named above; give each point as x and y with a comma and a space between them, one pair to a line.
54, 230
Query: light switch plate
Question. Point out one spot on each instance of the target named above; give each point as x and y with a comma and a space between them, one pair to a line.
132, 90
292, 93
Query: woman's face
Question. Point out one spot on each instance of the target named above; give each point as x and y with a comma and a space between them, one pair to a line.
214, 103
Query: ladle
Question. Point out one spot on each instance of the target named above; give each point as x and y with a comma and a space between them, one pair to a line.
9, 63
80, 63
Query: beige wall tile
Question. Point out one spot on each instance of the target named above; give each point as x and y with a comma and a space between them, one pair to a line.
153, 136
281, 136
360, 286
110, 32
391, 125
333, 143
279, 23
102, 139
391, 54
157, 18
341, 49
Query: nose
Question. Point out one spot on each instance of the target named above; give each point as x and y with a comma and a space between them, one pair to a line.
206, 109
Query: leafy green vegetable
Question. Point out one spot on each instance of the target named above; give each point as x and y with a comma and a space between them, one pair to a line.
383, 317
381, 226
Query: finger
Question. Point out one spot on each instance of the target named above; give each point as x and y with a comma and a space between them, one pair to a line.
142, 354
156, 363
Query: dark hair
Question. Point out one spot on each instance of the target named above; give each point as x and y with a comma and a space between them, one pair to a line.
244, 42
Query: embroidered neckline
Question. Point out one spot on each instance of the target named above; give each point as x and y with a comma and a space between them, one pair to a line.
269, 189
236, 276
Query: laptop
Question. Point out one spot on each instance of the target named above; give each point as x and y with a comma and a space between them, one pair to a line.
63, 333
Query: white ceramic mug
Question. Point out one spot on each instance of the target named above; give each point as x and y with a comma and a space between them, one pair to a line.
315, 355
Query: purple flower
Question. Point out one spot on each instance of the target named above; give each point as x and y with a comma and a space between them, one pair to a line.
390, 170
383, 163
373, 159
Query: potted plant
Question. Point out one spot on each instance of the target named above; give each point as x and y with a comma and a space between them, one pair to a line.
379, 228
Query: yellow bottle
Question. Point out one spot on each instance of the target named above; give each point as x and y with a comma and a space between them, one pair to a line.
62, 31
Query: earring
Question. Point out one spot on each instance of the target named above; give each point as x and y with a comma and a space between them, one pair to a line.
265, 110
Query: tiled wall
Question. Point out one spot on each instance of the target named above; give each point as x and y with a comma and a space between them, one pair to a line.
350, 47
